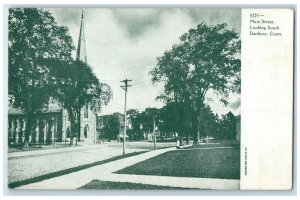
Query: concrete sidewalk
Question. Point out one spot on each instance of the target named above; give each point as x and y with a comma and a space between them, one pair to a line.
105, 173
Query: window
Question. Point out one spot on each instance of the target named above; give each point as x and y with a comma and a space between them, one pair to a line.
86, 111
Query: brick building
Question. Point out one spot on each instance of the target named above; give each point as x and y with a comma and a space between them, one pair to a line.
104, 129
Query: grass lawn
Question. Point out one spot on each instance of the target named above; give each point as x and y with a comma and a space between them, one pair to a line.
106, 185
194, 162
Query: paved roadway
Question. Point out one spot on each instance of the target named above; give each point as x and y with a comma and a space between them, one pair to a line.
29, 164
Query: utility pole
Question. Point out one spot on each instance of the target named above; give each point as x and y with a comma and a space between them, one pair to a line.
125, 88
65, 118
154, 134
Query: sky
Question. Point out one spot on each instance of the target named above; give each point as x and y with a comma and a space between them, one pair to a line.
125, 43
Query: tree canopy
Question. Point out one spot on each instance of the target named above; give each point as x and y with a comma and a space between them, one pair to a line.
206, 58
34, 38
168, 119
41, 67
78, 87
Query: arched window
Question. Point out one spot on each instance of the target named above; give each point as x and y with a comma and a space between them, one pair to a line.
86, 111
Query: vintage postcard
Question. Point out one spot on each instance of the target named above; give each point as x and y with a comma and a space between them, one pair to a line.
150, 98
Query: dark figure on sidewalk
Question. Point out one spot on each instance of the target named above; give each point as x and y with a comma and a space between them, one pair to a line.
178, 143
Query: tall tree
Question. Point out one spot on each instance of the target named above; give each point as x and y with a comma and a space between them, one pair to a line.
208, 122
33, 38
228, 126
134, 119
175, 119
207, 58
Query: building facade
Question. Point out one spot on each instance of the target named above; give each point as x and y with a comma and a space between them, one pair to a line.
50, 126
110, 127
47, 127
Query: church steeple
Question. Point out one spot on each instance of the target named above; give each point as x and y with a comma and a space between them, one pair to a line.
81, 48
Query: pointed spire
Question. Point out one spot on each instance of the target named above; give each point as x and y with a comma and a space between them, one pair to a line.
81, 48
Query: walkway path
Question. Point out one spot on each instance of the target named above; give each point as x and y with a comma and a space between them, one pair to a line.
105, 173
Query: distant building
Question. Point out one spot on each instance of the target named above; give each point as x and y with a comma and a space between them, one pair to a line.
104, 129
53, 124
238, 127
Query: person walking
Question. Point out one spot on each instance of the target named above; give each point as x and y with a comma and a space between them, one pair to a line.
178, 143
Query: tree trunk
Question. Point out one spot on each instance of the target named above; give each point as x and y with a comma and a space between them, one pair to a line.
189, 131
187, 137
180, 138
197, 132
197, 135
72, 120
78, 123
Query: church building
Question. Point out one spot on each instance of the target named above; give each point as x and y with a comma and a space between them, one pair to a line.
53, 125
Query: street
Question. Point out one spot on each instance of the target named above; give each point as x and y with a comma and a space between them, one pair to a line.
26, 165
